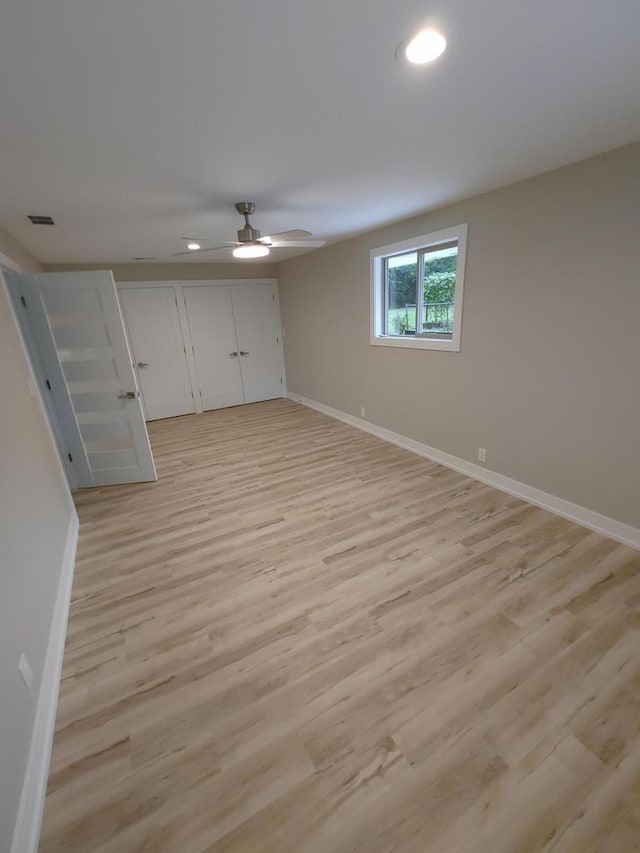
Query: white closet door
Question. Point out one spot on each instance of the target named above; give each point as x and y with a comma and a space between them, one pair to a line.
152, 319
257, 319
215, 352
81, 338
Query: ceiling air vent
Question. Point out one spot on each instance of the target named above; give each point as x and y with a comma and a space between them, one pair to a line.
41, 220
144, 259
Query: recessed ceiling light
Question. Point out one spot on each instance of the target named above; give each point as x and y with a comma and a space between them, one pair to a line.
424, 47
193, 246
251, 250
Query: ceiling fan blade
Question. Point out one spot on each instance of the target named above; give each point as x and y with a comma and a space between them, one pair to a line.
295, 234
209, 249
297, 244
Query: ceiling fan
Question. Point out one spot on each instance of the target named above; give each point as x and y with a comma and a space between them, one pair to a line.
251, 245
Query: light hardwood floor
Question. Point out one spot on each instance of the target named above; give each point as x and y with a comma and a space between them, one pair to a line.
305, 640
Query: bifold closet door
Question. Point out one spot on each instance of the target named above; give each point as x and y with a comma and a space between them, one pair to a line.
257, 320
152, 319
217, 361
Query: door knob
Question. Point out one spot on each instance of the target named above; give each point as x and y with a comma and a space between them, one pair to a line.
143, 364
128, 395
242, 352
233, 354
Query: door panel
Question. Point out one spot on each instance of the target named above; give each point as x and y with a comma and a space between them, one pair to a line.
151, 316
210, 315
257, 321
104, 432
107, 460
80, 333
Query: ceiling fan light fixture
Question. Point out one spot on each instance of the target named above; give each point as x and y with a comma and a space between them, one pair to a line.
422, 48
251, 250
193, 246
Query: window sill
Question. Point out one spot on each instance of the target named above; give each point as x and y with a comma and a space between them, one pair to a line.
409, 342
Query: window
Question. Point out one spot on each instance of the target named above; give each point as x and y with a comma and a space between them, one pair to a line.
416, 291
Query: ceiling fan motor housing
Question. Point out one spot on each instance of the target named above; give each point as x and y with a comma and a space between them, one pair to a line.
248, 234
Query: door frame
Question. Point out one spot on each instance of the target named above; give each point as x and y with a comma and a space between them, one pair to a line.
178, 286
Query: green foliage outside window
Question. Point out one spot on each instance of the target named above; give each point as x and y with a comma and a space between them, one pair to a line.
438, 294
439, 282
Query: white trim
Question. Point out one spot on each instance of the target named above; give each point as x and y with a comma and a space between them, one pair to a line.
376, 256
196, 282
27, 829
618, 530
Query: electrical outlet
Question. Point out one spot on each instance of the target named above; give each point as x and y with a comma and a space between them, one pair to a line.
362, 411
24, 668
482, 454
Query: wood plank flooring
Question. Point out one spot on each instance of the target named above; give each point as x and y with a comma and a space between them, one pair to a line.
305, 640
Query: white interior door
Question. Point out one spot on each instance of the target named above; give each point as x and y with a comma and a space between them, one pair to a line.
151, 315
257, 320
80, 335
210, 315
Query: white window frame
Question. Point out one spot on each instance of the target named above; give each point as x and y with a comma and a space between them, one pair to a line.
416, 244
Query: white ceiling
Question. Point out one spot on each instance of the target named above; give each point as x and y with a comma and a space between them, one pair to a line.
136, 122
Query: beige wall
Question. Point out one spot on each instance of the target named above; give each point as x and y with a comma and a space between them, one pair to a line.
175, 272
11, 249
35, 512
548, 376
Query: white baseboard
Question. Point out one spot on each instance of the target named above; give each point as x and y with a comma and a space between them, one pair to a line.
624, 533
27, 831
